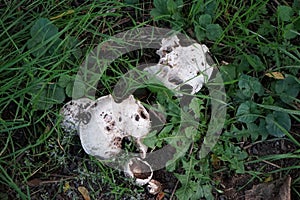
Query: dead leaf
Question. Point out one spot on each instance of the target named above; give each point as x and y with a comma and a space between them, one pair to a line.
268, 179
276, 190
84, 192
275, 75
66, 186
34, 182
62, 14
216, 162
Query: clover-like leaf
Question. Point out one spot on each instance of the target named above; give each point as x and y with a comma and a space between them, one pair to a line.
289, 32
160, 8
250, 85
277, 123
285, 13
213, 31
204, 20
247, 112
287, 89
200, 33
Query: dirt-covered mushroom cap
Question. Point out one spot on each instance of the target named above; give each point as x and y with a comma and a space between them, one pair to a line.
180, 65
140, 170
73, 112
109, 122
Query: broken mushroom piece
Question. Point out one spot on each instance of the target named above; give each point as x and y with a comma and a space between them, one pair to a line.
109, 122
154, 187
73, 113
140, 170
181, 65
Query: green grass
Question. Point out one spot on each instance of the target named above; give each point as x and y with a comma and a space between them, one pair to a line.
255, 38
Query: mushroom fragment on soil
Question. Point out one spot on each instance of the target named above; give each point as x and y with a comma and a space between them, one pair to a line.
180, 65
102, 124
140, 170
109, 122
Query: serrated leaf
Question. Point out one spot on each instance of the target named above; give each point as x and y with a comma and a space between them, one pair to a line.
277, 123
284, 13
213, 31
196, 106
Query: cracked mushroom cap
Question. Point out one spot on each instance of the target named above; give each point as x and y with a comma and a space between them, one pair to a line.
181, 65
109, 122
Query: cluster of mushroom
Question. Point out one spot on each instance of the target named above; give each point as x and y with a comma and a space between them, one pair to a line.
103, 124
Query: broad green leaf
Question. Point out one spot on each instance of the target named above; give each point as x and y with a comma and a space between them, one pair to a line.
289, 32
42, 30
258, 130
55, 47
284, 13
213, 31
228, 73
205, 20
150, 140
45, 96
78, 89
250, 85
277, 123
160, 8
210, 7
171, 5
247, 112
287, 89
255, 62
64, 80
69, 91
200, 33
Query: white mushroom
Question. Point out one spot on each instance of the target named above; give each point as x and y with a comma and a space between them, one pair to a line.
140, 170
181, 65
73, 113
109, 122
